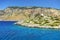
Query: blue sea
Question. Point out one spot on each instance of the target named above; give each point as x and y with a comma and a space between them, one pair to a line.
10, 31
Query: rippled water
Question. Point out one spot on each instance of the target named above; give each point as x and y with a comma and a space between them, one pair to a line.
9, 31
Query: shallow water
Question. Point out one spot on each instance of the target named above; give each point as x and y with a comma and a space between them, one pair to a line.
9, 31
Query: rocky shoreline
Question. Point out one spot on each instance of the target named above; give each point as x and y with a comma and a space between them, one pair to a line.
35, 25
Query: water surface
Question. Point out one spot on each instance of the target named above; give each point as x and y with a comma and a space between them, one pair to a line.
9, 31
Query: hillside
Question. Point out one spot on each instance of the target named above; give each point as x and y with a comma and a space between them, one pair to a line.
20, 13
31, 15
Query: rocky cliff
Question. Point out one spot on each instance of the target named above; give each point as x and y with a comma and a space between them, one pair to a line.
21, 13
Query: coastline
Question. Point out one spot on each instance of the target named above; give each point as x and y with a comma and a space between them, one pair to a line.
35, 25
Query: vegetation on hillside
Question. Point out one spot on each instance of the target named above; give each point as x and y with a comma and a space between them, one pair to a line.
43, 20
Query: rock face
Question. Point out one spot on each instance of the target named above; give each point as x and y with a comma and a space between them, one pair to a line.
21, 13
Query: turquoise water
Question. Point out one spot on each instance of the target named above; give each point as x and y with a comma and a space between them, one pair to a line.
9, 31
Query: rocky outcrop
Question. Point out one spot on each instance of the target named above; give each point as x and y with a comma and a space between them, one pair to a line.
21, 13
